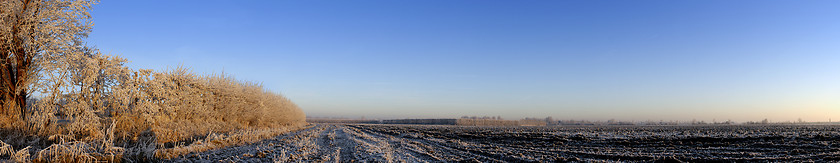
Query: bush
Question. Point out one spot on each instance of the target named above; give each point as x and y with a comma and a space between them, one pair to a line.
90, 106
95, 101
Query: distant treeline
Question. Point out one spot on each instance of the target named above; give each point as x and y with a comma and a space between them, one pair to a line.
496, 122
548, 121
467, 122
421, 121
331, 120
642, 123
486, 122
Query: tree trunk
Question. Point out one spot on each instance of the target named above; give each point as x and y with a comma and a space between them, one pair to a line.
15, 64
21, 103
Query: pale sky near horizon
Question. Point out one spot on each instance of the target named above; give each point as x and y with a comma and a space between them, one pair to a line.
628, 60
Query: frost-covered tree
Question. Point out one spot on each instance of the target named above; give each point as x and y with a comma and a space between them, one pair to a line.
34, 34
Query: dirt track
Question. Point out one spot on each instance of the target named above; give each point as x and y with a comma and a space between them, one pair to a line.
427, 143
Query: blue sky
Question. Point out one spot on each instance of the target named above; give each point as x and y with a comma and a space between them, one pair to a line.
628, 60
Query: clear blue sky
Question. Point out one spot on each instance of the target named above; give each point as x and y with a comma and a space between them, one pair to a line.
629, 60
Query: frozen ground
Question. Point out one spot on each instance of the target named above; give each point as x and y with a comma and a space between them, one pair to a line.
432, 143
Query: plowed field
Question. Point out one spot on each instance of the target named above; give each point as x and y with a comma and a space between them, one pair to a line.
435, 143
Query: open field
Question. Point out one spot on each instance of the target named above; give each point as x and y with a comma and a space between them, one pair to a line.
440, 143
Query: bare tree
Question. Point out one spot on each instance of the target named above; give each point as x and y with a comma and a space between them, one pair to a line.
34, 33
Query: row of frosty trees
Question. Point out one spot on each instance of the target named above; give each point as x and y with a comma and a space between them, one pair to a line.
53, 85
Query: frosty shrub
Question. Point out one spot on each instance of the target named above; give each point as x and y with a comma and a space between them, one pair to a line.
80, 104
189, 105
94, 98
